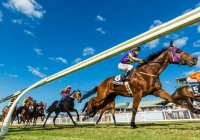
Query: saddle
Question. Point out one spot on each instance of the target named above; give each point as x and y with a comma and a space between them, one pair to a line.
119, 79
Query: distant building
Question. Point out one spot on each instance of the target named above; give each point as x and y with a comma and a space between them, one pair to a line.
148, 105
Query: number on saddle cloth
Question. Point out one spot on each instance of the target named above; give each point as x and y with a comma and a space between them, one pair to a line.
196, 89
118, 80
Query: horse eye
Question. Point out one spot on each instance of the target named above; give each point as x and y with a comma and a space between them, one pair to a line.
178, 51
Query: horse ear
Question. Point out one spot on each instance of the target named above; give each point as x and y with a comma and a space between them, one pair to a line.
171, 44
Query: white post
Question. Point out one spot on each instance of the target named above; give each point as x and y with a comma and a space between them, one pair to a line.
189, 115
7, 120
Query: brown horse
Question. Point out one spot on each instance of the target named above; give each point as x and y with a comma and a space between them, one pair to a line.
39, 112
145, 80
104, 107
25, 111
185, 94
5, 112
67, 106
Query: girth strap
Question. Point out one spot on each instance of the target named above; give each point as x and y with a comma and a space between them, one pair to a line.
128, 88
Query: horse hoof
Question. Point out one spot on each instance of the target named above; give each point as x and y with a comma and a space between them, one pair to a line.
133, 125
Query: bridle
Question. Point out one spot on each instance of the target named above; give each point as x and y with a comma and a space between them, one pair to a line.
176, 58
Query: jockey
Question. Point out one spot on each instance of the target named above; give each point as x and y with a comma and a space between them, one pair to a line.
194, 77
11, 101
26, 100
65, 93
127, 60
40, 104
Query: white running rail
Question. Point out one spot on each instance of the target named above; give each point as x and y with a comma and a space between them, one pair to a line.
166, 28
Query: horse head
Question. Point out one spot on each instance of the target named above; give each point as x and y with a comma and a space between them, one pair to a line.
180, 57
77, 95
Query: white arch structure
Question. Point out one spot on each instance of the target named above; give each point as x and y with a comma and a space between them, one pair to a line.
159, 31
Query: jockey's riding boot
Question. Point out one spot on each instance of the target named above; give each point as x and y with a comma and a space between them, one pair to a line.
126, 76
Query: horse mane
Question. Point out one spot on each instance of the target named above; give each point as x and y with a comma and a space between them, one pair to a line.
152, 56
72, 92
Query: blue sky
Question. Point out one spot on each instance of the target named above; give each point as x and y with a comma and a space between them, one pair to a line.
39, 38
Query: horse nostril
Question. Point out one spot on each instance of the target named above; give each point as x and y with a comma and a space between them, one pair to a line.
195, 59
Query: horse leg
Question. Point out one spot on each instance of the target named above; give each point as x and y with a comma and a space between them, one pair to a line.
54, 119
76, 113
101, 114
164, 95
113, 115
47, 119
136, 101
69, 114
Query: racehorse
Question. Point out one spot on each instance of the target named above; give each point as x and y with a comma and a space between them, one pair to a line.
184, 94
5, 112
39, 113
25, 111
145, 80
67, 106
104, 107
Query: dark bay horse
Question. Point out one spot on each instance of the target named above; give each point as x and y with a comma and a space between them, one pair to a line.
104, 107
145, 80
39, 112
67, 106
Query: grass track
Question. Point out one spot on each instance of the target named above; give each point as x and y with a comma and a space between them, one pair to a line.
189, 130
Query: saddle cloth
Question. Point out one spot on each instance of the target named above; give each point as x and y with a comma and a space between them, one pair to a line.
196, 89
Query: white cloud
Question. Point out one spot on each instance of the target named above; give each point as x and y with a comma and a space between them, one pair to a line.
45, 68
38, 51
29, 8
101, 30
29, 33
59, 59
152, 44
197, 5
77, 60
188, 72
181, 42
88, 51
156, 22
172, 36
17, 21
13, 75
100, 18
36, 71
198, 63
1, 65
196, 43
196, 54
1, 16
168, 82
198, 28
188, 10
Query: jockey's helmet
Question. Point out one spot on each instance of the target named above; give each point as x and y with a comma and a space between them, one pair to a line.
136, 49
69, 87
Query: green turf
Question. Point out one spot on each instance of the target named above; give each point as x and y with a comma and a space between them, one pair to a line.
147, 131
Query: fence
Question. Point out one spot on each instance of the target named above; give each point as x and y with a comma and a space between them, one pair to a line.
146, 116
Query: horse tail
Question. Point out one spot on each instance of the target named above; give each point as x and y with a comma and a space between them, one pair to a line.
91, 92
85, 106
51, 107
